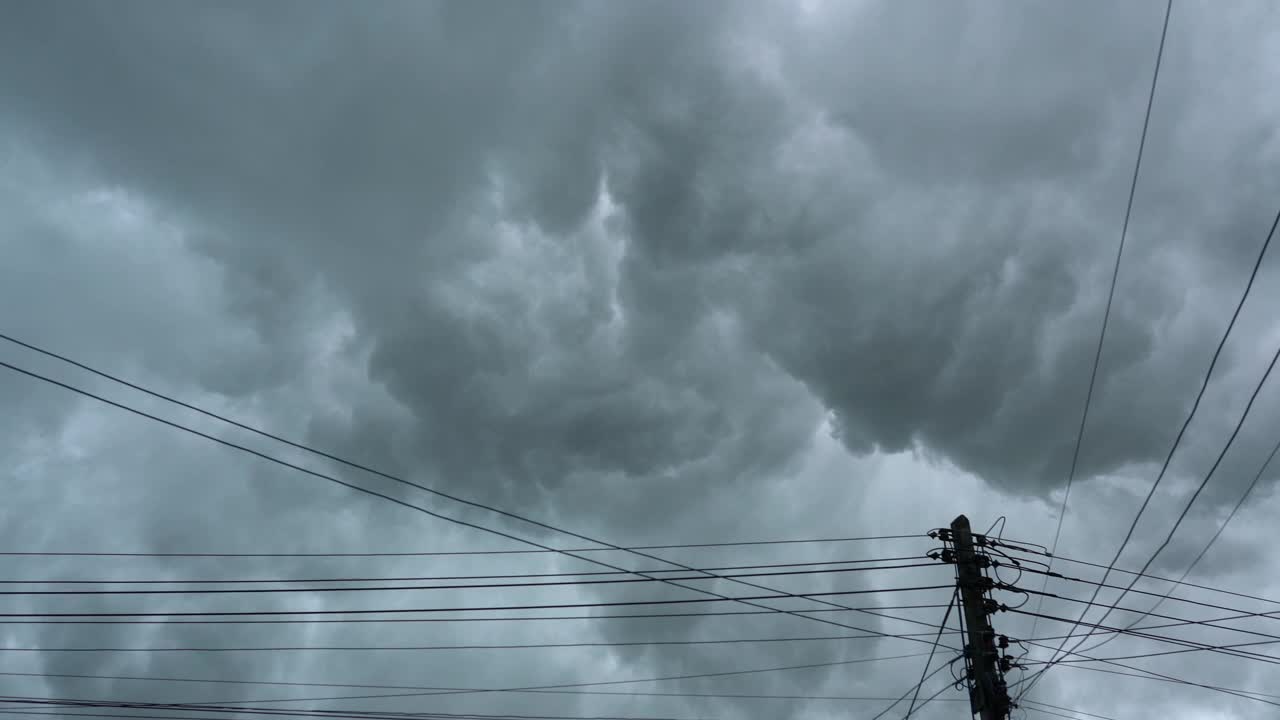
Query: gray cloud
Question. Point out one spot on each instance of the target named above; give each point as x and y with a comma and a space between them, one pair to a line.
403, 174
624, 266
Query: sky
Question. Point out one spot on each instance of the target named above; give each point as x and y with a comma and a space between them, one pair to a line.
654, 273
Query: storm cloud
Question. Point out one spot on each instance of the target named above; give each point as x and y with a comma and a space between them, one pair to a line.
649, 270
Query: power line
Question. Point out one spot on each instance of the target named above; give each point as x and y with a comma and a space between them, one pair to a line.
1217, 462
620, 603
225, 708
924, 673
600, 683
1149, 675
935, 695
464, 523
1144, 674
1140, 672
561, 583
1115, 274
1199, 603
455, 552
425, 715
916, 688
1038, 707
632, 693
519, 618
1111, 292
284, 713
1200, 556
1153, 675
281, 683
269, 711
1165, 579
348, 463
590, 573
1159, 626
1191, 645
1050, 713
1179, 622
417, 648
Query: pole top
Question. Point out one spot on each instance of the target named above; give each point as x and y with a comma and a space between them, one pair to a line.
960, 521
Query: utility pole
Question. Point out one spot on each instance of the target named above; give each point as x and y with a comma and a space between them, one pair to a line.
988, 692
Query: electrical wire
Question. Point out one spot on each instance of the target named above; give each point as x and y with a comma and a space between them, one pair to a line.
451, 552
511, 576
1050, 713
1190, 645
908, 691
222, 681
224, 708
280, 683
591, 684
518, 618
1186, 508
620, 603
935, 695
741, 696
273, 712
560, 583
1153, 675
1182, 583
416, 648
1186, 601
1106, 316
600, 683
1150, 675
1200, 556
361, 715
283, 713
1198, 647
379, 473
924, 673
1001, 521
1111, 292
1053, 710
464, 523
1179, 622
1207, 623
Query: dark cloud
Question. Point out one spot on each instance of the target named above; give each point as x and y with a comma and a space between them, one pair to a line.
623, 266
851, 231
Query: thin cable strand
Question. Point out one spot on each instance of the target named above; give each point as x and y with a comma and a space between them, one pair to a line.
561, 583
1111, 293
620, 603
916, 536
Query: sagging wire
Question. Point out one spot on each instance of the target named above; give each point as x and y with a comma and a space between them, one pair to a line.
996, 565
1001, 521
957, 681
1026, 597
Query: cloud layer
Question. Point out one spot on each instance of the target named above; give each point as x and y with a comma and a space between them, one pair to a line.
631, 268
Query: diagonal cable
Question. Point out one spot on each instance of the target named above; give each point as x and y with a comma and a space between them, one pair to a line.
1111, 292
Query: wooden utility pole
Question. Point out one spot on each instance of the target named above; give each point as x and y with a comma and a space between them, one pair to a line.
988, 692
